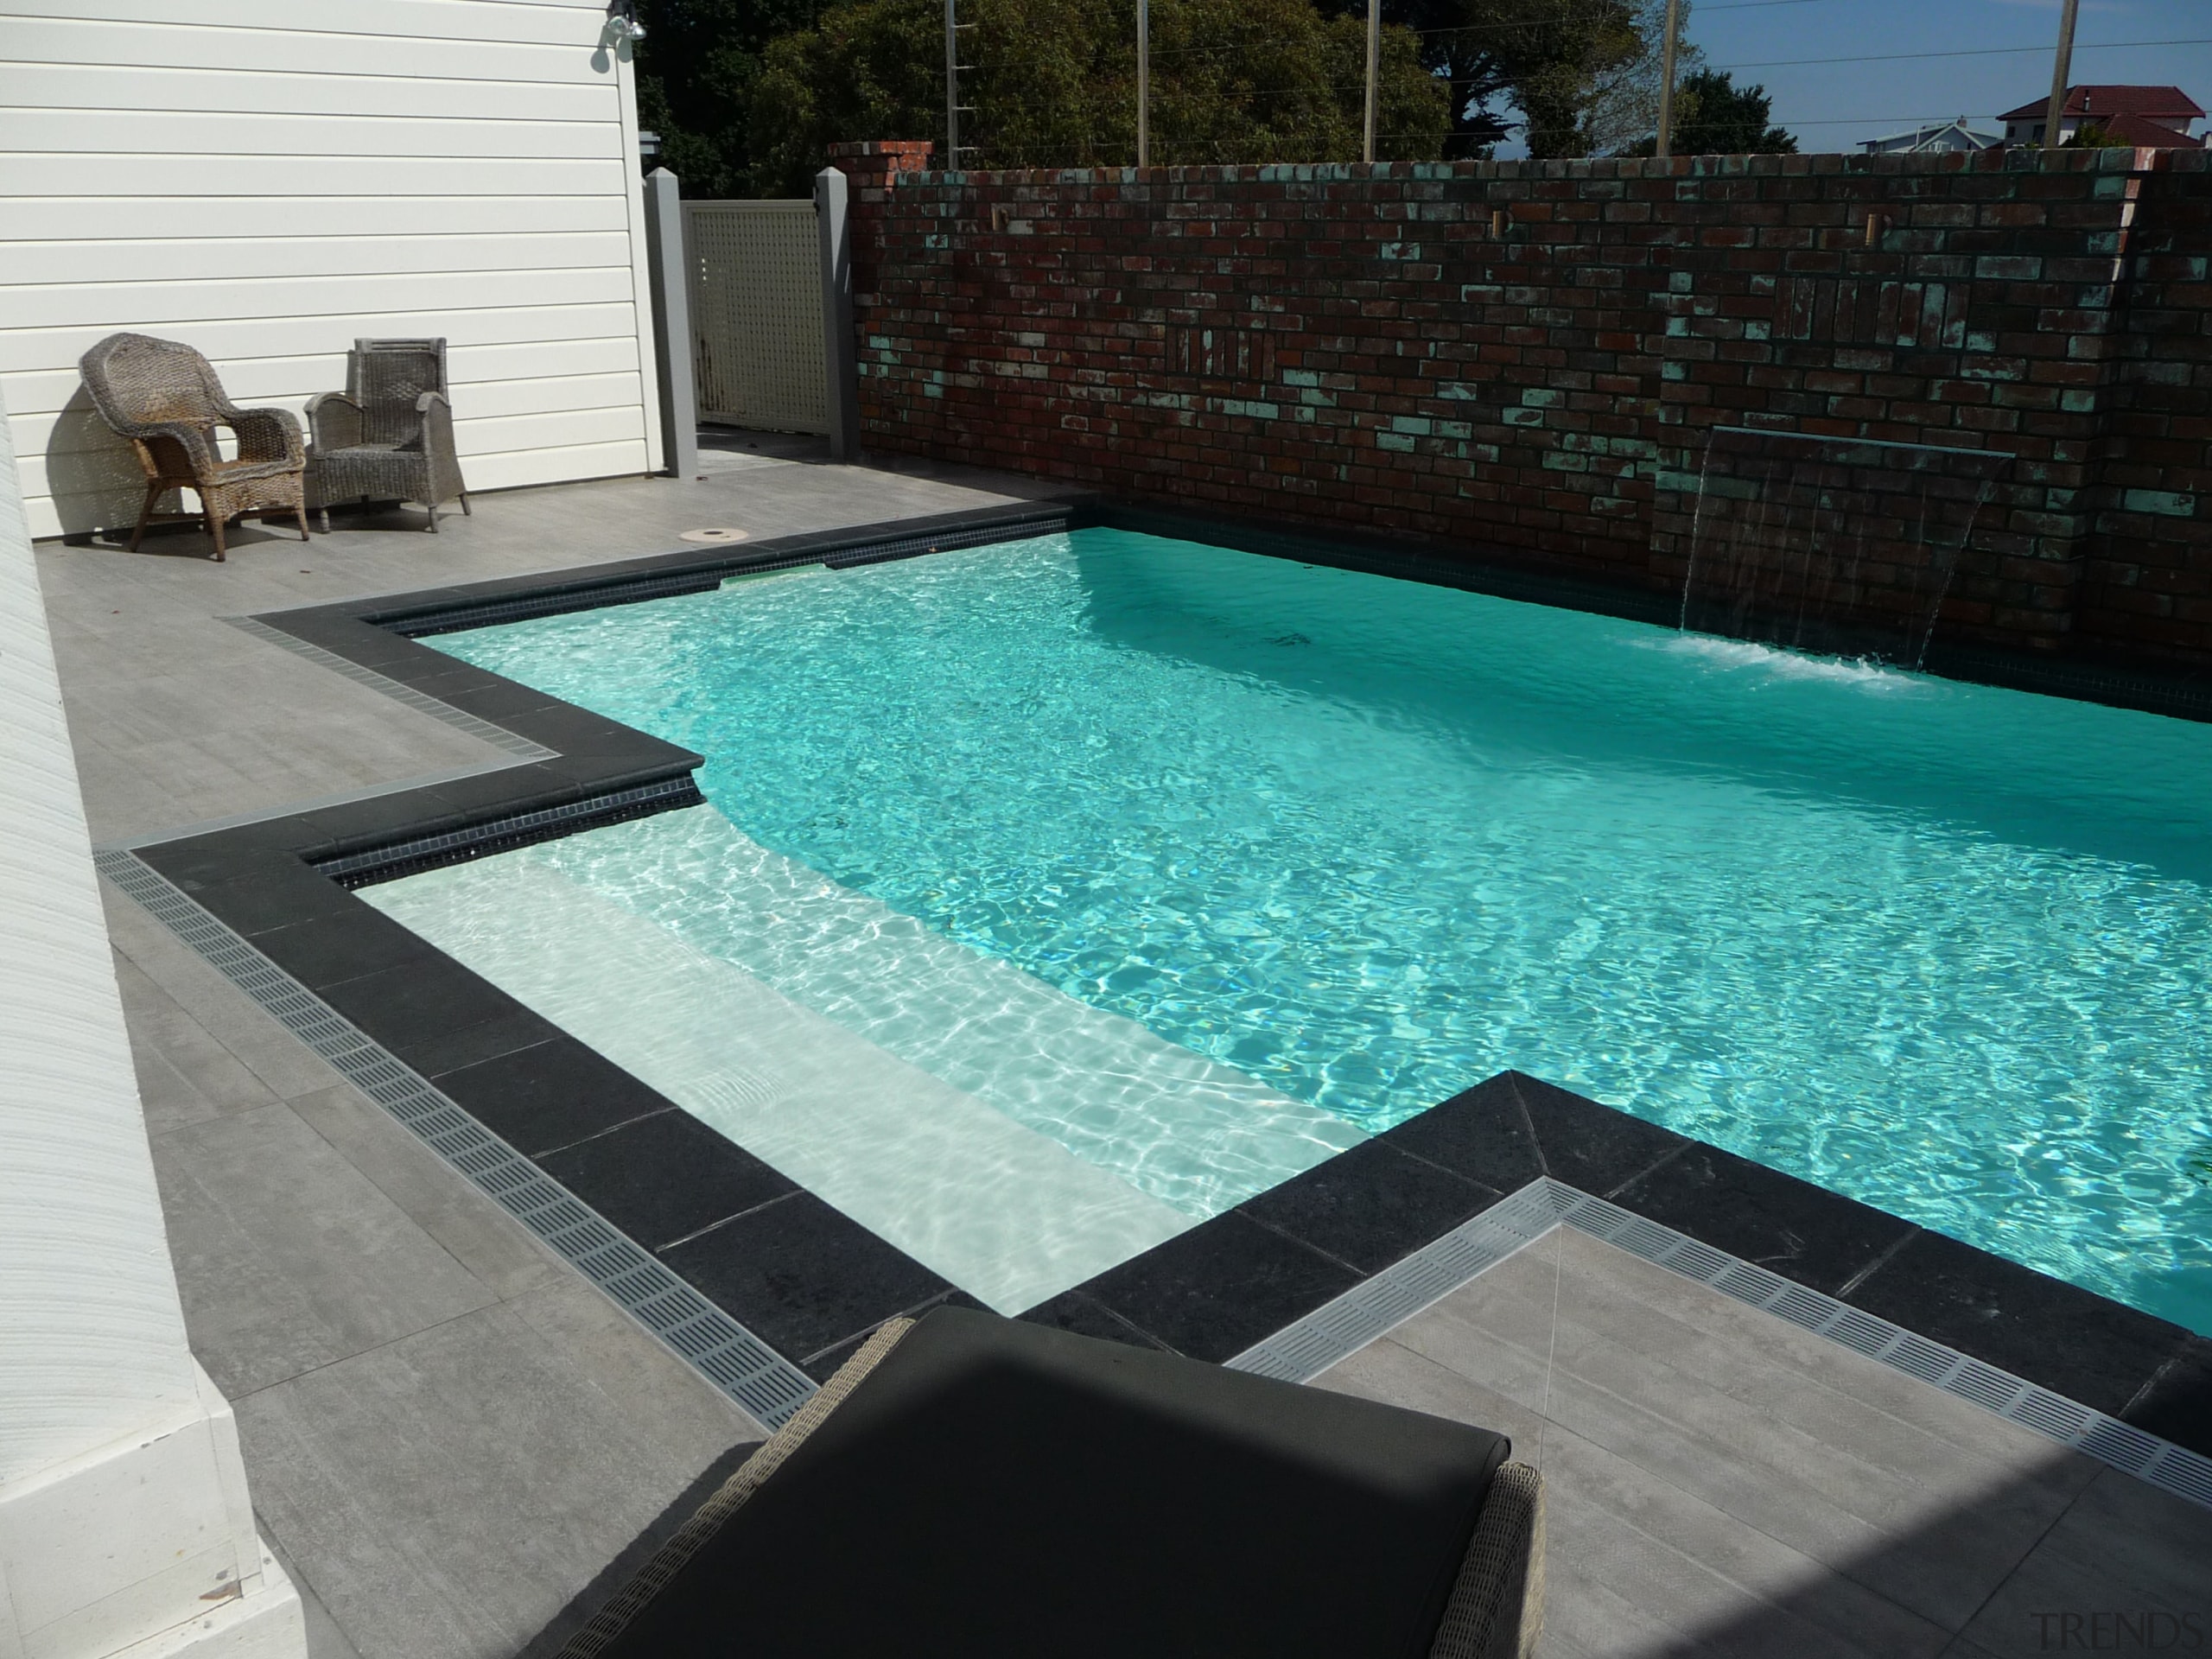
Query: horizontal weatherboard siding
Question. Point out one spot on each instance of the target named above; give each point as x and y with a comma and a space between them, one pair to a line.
269, 180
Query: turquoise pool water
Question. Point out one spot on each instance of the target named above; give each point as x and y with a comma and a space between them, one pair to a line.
1940, 947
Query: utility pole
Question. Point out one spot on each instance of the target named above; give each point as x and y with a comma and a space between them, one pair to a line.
2061, 71
1144, 82
1374, 65
1667, 79
951, 86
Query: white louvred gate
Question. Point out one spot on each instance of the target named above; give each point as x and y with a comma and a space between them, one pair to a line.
756, 313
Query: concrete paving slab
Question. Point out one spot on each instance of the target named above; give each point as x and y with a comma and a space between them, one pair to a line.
288, 1258
1720, 1482
453, 1489
503, 1256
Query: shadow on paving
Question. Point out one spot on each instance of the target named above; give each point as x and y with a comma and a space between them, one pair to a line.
2124, 1568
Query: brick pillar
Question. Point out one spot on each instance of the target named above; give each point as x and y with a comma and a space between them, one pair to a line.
871, 170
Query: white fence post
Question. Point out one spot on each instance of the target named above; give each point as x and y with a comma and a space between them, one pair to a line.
837, 357
672, 281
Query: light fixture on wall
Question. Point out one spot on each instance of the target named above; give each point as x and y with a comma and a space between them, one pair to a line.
622, 17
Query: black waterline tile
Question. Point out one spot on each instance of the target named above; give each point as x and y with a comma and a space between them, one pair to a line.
2176, 1403
380, 819
803, 1276
1073, 1310
223, 856
1599, 1148
284, 894
554, 1092
1790, 1227
439, 1051
823, 1364
343, 945
432, 994
1371, 1205
664, 1177
1481, 1134
2072, 1341
1213, 1292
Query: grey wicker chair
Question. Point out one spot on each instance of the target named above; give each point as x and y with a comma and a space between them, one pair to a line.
164, 397
389, 436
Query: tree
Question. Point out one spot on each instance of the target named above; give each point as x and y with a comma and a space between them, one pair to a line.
1544, 57
695, 69
2090, 135
1623, 103
1715, 117
1054, 85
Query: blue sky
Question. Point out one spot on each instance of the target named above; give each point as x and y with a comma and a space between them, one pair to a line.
1833, 105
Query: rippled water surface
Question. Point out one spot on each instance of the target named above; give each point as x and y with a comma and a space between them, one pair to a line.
1940, 947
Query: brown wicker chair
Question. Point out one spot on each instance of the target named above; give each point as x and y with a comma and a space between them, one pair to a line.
164, 397
389, 435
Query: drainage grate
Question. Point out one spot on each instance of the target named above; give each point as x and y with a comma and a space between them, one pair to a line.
1309, 1347
1304, 1349
498, 736
725, 1352
503, 835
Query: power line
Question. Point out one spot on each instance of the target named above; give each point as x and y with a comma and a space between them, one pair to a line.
1977, 52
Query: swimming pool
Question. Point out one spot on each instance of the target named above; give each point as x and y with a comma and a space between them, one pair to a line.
1109, 879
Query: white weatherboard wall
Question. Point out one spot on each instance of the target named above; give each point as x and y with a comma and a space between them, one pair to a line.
125, 1521
267, 180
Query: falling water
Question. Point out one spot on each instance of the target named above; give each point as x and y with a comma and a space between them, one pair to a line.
1832, 545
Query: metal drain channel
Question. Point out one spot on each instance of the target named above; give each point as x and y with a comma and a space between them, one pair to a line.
723, 1351
498, 736
1304, 1349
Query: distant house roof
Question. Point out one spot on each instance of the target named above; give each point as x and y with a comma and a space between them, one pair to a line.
2145, 135
1936, 135
2103, 103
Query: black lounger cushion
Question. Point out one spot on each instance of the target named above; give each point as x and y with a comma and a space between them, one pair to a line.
997, 1487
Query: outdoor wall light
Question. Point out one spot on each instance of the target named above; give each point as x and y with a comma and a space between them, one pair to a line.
622, 17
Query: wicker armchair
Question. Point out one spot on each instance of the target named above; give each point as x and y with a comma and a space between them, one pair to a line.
164, 397
389, 435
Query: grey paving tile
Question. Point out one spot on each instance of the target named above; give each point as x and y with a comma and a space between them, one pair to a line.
448, 1492
1398, 1376
288, 1258
170, 1043
2132, 1563
1702, 1335
280, 1062
1635, 1565
660, 1396
325, 1639
492, 1245
166, 1095
1761, 1443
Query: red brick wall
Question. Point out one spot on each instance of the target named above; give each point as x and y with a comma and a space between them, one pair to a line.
1527, 356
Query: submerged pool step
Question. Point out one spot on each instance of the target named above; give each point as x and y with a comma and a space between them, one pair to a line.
1192, 1132
1004, 1212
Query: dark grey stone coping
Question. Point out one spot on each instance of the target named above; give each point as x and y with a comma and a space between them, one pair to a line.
810, 1283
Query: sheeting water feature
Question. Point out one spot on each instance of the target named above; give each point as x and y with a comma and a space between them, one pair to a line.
1830, 545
